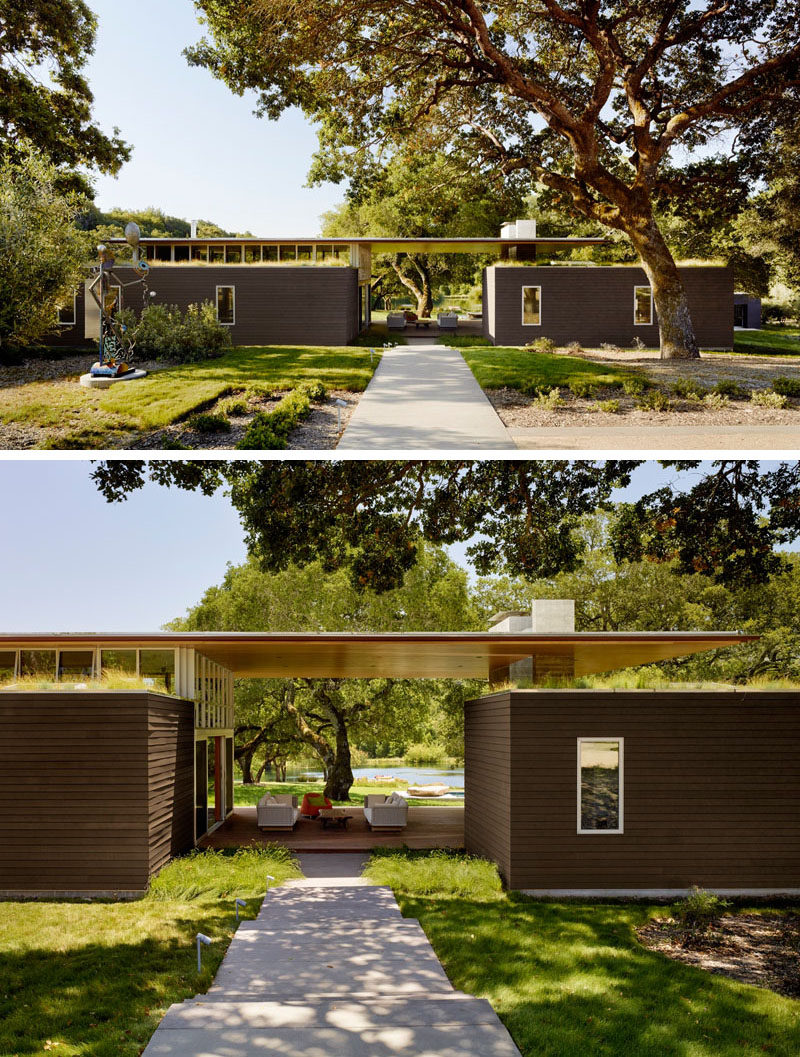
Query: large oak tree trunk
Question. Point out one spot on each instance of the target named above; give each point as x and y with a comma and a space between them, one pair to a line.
340, 773
420, 288
676, 330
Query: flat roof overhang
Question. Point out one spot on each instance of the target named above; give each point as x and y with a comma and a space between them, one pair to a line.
381, 245
399, 655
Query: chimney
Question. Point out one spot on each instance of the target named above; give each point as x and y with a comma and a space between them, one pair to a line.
547, 615
553, 614
518, 229
193, 229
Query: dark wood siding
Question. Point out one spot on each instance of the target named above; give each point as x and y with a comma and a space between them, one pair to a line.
74, 790
170, 779
487, 779
711, 790
594, 305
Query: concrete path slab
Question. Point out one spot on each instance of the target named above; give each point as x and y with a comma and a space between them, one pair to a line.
610, 437
333, 865
424, 396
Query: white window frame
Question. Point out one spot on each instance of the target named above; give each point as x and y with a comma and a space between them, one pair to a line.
621, 829
225, 286
636, 322
524, 288
74, 321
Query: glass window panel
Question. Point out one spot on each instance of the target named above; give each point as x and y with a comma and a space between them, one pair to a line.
252, 254
38, 663
150, 252
200, 253
531, 305
73, 663
225, 304
324, 253
342, 253
158, 665
182, 253
163, 253
66, 314
118, 661
216, 254
233, 254
600, 785
270, 253
304, 253
8, 661
643, 305
288, 253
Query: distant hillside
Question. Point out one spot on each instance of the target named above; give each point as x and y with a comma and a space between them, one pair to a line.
153, 223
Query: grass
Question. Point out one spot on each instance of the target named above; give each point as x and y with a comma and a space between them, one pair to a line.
463, 341
172, 394
570, 979
96, 978
498, 367
248, 795
770, 341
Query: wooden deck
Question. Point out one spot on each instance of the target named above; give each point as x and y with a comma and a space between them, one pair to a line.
428, 827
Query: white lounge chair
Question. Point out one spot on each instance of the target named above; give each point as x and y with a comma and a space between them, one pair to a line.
382, 815
277, 812
396, 321
448, 321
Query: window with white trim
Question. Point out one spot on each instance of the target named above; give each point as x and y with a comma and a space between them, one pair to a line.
531, 306
600, 789
226, 305
642, 306
68, 313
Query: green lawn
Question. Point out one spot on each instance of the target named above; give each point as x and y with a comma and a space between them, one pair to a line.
770, 341
175, 392
571, 979
516, 368
244, 795
96, 978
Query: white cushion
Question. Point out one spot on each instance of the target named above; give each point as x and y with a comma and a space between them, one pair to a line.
268, 798
395, 798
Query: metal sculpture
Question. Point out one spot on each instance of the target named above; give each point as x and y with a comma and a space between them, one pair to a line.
116, 341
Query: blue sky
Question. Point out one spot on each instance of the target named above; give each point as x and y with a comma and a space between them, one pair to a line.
72, 562
199, 152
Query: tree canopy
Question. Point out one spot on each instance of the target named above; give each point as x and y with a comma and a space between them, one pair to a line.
727, 523
613, 106
44, 97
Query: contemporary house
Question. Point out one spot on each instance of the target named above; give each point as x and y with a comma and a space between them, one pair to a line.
746, 311
568, 790
297, 291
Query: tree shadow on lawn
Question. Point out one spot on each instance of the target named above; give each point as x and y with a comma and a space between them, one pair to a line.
106, 998
573, 981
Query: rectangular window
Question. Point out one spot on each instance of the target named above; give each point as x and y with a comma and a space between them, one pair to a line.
38, 664
324, 253
216, 254
600, 785
181, 254
67, 313
123, 661
200, 254
342, 253
226, 305
158, 666
305, 253
252, 254
233, 254
164, 253
288, 253
531, 306
269, 253
8, 666
642, 306
75, 664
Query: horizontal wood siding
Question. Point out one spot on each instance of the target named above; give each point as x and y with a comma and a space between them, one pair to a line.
170, 779
594, 305
711, 790
487, 779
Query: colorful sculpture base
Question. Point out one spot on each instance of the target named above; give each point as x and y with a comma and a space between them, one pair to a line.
94, 381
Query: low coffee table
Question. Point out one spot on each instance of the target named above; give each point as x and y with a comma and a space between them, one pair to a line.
330, 817
423, 322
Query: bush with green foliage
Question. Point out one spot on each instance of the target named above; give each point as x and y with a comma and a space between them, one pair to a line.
716, 401
541, 345
549, 398
269, 429
439, 873
582, 387
233, 405
729, 387
315, 391
766, 398
698, 912
787, 386
223, 874
165, 333
654, 400
635, 385
463, 341
610, 407
688, 387
207, 423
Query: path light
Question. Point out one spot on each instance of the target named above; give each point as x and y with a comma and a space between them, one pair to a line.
239, 903
339, 404
206, 942
269, 878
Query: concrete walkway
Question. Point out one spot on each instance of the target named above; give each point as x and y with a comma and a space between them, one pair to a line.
424, 396
331, 968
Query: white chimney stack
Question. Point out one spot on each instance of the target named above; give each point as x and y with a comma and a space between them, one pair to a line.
193, 229
546, 615
518, 229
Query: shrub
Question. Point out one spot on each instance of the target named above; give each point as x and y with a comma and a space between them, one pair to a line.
635, 385
315, 391
165, 333
728, 387
716, 401
766, 398
610, 407
574, 348
787, 386
583, 388
548, 399
438, 873
205, 423
542, 345
688, 387
269, 429
637, 343
697, 912
654, 400
233, 405
608, 346
222, 874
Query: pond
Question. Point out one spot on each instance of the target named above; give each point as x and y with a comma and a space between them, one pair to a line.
413, 775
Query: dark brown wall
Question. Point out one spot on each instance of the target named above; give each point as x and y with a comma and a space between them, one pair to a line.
84, 798
711, 789
72, 337
594, 305
292, 305
487, 779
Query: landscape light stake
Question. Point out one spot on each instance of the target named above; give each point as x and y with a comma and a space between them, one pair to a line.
205, 941
339, 405
269, 878
239, 903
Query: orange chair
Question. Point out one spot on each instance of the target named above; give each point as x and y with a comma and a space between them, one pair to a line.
312, 802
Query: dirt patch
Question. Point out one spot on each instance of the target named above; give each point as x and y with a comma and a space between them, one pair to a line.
44, 369
760, 949
519, 411
754, 372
